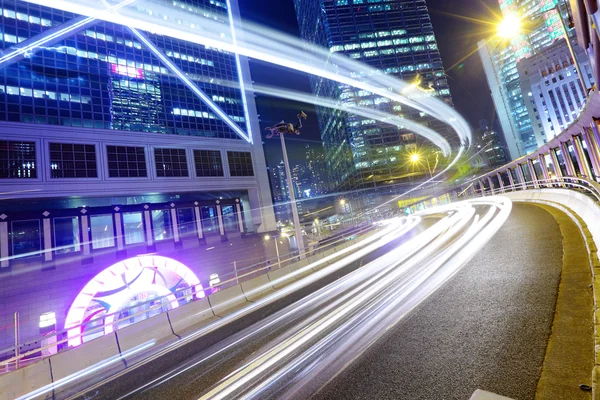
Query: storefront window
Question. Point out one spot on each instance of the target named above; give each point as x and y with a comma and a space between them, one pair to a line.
26, 238
133, 227
102, 231
66, 234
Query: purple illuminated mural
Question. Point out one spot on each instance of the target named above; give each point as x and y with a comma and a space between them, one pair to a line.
127, 292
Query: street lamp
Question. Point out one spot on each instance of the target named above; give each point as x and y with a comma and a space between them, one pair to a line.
509, 27
281, 129
416, 158
267, 238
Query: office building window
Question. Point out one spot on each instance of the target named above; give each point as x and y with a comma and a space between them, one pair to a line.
102, 231
133, 227
66, 234
126, 162
17, 160
161, 221
240, 163
208, 163
26, 239
170, 162
69, 160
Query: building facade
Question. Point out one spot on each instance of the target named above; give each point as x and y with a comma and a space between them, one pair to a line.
116, 143
543, 26
555, 96
396, 37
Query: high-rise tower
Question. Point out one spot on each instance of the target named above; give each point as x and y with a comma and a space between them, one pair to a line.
542, 26
395, 37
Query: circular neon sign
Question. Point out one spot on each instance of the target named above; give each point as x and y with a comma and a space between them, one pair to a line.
125, 284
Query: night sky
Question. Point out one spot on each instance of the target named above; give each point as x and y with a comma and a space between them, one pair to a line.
458, 25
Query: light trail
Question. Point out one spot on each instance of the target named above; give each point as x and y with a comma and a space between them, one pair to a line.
370, 309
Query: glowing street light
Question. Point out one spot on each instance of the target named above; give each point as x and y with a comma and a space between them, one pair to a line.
414, 158
342, 202
510, 27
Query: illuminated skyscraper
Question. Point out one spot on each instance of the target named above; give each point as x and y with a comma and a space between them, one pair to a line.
396, 37
542, 27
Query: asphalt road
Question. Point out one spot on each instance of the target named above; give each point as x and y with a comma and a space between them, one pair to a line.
487, 328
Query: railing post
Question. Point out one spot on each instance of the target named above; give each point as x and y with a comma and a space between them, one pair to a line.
491, 183
521, 176
510, 179
481, 187
17, 350
500, 181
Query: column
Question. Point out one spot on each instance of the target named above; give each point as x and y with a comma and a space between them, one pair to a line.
510, 179
175, 226
500, 181
544, 168
118, 221
220, 221
584, 166
86, 244
564, 149
556, 164
150, 246
521, 176
48, 263
201, 239
532, 173
240, 217
3, 241
593, 150
489, 179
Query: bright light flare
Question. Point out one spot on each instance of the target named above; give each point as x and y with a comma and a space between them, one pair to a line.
510, 26
414, 158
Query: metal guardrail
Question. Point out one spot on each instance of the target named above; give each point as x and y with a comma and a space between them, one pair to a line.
588, 186
183, 296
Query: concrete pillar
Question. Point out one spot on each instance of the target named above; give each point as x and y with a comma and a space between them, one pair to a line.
3, 242
150, 246
500, 181
584, 166
593, 150
564, 149
201, 238
86, 244
48, 262
240, 217
521, 176
510, 179
175, 227
220, 221
491, 183
534, 178
119, 231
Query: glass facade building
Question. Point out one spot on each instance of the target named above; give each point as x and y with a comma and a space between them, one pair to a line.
103, 77
395, 37
542, 28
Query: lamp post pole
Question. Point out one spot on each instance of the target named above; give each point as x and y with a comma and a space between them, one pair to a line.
295, 216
